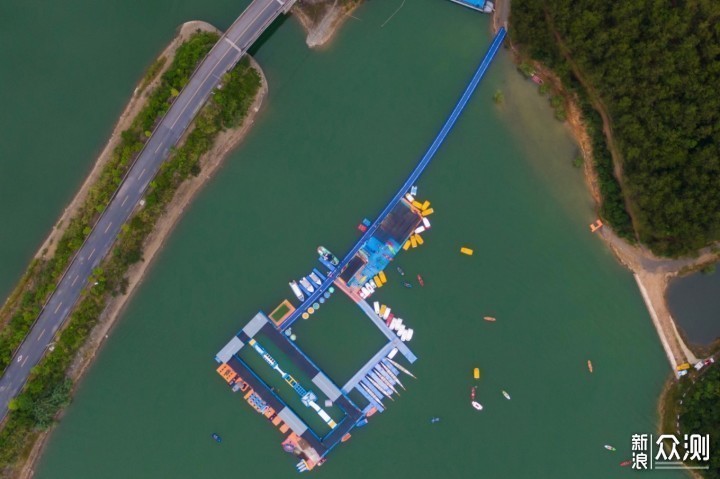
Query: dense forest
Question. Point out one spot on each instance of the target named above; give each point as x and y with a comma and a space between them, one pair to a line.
655, 65
700, 414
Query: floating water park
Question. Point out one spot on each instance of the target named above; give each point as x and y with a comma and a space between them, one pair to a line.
262, 362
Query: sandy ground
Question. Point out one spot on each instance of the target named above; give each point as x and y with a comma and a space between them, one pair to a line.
319, 33
210, 163
501, 15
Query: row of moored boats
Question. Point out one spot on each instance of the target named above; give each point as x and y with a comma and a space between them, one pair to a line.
394, 323
382, 381
307, 284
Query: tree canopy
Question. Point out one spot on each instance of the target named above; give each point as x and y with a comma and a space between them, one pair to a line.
656, 66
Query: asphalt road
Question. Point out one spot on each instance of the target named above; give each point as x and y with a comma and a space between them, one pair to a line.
224, 55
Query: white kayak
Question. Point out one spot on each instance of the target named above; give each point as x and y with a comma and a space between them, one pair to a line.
477, 405
507, 396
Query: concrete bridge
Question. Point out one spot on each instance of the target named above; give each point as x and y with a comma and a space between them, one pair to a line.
223, 57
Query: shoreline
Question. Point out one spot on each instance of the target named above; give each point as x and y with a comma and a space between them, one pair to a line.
210, 163
650, 272
134, 105
321, 32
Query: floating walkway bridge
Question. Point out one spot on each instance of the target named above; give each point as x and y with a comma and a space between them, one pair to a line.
412, 179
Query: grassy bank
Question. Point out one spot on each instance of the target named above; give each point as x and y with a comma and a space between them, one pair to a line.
40, 280
48, 388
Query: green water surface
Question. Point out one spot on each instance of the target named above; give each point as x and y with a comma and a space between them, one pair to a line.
339, 131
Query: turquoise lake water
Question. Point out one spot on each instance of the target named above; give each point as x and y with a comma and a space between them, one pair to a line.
339, 131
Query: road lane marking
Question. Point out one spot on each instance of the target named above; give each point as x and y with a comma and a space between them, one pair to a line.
41, 334
159, 146
240, 34
75, 280
232, 44
126, 198
91, 253
108, 227
142, 173
24, 361
58, 307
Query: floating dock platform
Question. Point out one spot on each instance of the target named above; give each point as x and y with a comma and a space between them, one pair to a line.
378, 379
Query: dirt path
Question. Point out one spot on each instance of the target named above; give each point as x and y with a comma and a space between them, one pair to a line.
501, 15
210, 163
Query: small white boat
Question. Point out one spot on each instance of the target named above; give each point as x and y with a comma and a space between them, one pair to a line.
376, 307
413, 190
507, 396
306, 284
392, 353
477, 405
296, 290
399, 366
316, 279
